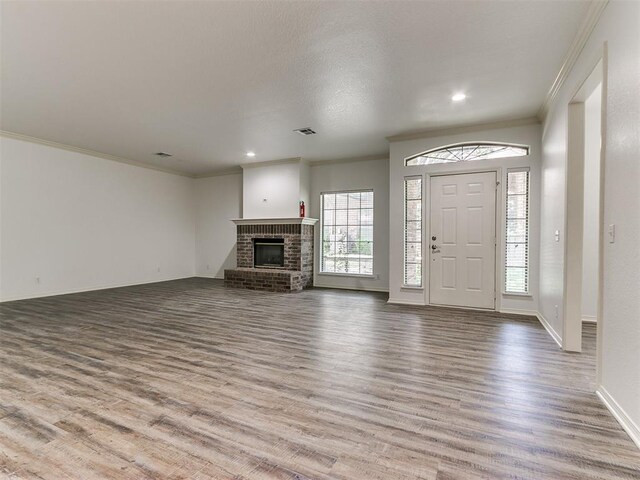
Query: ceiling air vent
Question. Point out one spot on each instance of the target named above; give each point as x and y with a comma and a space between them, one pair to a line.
305, 131
163, 154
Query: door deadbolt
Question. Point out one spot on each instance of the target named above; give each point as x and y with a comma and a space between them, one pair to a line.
433, 238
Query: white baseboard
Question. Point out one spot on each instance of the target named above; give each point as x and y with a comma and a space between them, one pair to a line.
549, 329
405, 302
620, 415
363, 289
589, 319
514, 311
531, 313
90, 289
217, 277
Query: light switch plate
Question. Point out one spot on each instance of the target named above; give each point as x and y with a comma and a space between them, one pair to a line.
612, 233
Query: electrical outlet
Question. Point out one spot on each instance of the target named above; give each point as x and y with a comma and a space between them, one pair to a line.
557, 235
158, 269
612, 233
38, 280
208, 267
557, 312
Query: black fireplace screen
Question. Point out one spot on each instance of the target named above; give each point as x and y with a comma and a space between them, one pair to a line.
268, 252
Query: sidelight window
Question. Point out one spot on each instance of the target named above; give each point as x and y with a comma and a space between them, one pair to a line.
516, 269
413, 231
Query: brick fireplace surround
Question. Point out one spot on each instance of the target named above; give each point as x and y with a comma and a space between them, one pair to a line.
297, 272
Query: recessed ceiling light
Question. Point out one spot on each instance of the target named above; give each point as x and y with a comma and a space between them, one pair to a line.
458, 97
251, 154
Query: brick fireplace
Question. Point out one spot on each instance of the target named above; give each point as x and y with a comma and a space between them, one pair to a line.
296, 272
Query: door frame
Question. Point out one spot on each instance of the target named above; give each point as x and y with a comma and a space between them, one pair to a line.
573, 211
498, 230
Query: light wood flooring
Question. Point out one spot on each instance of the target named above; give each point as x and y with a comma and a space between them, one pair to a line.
189, 380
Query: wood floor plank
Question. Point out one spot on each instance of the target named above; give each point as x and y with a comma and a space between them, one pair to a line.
189, 380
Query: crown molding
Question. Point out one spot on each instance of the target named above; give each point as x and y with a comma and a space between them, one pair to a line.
368, 158
219, 173
269, 163
312, 163
92, 153
475, 127
594, 12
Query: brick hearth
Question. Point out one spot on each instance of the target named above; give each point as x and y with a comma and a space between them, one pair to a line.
297, 272
272, 280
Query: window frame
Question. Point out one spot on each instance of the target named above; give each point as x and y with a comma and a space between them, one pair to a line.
406, 285
527, 148
505, 291
321, 249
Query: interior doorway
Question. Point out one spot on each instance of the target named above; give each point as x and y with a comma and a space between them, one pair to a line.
584, 214
591, 206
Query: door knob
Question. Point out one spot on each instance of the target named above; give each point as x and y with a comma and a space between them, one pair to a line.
433, 247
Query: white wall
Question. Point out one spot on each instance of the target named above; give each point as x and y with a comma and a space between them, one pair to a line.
370, 174
77, 222
218, 200
591, 234
271, 191
305, 187
524, 134
619, 327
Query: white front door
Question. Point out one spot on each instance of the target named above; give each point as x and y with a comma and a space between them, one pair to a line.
462, 241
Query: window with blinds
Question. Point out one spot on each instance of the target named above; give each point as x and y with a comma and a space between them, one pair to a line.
347, 233
516, 265
413, 231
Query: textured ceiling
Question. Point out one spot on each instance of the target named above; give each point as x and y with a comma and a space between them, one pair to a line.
208, 81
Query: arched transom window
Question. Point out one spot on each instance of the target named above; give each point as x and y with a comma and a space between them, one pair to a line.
467, 152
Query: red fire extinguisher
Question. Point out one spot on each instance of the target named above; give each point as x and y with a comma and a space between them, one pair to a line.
301, 209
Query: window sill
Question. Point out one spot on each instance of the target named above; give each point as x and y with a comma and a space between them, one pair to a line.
516, 294
356, 275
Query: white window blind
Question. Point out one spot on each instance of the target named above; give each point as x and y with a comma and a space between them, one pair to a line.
347, 233
413, 231
517, 232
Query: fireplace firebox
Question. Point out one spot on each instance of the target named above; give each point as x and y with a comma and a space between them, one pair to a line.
268, 252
